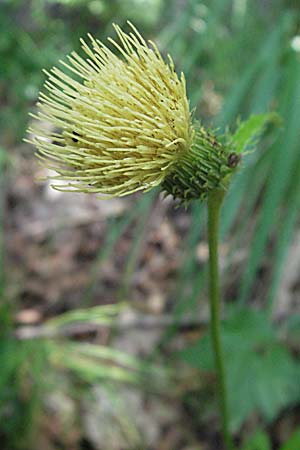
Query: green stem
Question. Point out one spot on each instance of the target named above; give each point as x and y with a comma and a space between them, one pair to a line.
214, 207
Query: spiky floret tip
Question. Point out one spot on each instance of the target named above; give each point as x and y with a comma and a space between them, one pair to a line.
116, 124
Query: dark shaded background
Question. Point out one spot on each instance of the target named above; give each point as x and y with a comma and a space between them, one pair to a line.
68, 377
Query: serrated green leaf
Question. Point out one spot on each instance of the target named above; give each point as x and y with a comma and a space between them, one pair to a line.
261, 374
248, 132
243, 331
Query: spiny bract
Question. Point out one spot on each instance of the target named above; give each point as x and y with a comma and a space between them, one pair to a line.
123, 124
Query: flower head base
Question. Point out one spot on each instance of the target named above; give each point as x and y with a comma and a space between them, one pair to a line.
123, 124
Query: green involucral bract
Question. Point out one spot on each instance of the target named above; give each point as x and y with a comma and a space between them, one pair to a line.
205, 166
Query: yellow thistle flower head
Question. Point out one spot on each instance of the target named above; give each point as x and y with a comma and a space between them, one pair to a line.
120, 124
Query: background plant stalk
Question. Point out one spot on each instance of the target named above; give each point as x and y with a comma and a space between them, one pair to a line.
215, 200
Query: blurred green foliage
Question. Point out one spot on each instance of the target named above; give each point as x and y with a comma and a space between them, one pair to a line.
262, 374
36, 34
261, 441
240, 57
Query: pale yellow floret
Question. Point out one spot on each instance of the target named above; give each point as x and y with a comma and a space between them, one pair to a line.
120, 124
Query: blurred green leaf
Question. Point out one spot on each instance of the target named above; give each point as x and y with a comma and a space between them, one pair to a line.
258, 441
23, 383
293, 443
261, 374
283, 158
94, 363
246, 136
104, 314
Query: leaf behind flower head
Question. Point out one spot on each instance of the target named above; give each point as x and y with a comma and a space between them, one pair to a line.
248, 132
